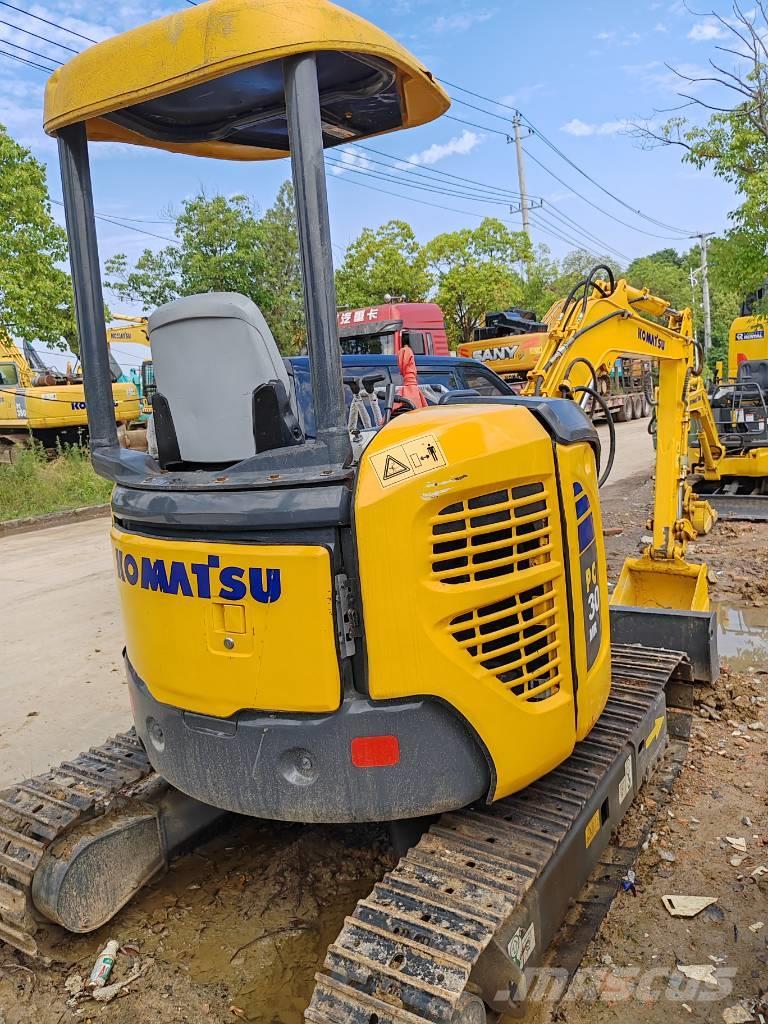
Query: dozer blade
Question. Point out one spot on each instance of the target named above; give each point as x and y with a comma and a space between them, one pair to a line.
665, 603
747, 508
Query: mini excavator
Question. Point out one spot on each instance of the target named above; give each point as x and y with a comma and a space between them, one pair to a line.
414, 626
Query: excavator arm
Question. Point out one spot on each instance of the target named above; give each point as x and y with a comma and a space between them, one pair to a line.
589, 335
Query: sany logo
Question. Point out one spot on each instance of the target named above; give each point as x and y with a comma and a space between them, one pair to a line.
490, 355
198, 579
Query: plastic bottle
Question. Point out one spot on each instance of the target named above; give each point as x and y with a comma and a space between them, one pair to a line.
104, 964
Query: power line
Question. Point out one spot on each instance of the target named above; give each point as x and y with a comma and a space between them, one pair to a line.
436, 178
412, 199
23, 60
380, 176
445, 174
551, 173
589, 202
61, 28
27, 32
128, 227
560, 153
551, 230
571, 225
34, 53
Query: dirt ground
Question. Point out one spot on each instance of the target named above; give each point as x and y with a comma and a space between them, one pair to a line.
238, 927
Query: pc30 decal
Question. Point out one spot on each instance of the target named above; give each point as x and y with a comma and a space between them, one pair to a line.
205, 580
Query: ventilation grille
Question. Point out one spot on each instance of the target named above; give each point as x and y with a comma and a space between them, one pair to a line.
492, 535
517, 640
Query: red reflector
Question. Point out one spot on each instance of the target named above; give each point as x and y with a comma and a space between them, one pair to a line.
375, 751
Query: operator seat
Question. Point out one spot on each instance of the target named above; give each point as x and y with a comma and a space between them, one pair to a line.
755, 371
222, 386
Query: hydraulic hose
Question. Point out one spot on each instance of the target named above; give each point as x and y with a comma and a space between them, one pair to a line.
611, 429
589, 366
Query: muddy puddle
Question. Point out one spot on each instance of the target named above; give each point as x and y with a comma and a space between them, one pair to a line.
742, 636
246, 917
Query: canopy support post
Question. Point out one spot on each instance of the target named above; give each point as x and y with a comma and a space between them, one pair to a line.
86, 281
305, 135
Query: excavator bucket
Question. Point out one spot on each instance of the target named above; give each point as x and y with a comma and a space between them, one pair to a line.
665, 603
655, 583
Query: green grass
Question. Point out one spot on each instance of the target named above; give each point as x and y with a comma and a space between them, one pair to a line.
35, 484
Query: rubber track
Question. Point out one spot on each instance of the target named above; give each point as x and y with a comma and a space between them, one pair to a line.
37, 812
406, 953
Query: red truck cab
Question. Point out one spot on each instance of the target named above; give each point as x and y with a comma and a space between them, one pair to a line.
384, 330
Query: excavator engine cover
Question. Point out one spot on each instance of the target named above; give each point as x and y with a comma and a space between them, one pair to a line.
317, 662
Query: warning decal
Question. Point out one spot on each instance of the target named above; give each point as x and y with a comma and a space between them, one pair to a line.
625, 782
593, 827
409, 459
394, 467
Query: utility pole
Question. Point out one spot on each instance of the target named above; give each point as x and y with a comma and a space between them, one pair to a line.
703, 242
521, 175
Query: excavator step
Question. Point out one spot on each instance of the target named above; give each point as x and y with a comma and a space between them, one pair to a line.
473, 906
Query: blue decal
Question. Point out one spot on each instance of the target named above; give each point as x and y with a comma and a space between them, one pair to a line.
195, 580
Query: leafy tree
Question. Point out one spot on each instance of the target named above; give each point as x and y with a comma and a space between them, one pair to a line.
35, 292
283, 299
667, 274
475, 271
732, 136
381, 261
223, 245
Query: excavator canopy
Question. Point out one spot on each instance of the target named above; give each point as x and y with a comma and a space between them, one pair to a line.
208, 80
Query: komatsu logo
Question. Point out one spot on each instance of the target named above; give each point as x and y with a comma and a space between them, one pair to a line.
489, 355
651, 339
206, 580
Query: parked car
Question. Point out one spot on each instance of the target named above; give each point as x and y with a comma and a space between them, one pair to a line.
438, 372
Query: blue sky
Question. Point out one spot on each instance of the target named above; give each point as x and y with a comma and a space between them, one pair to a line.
578, 72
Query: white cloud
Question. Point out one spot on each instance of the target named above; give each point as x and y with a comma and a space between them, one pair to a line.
660, 27
668, 81
581, 129
704, 31
460, 145
605, 36
460, 22
351, 160
523, 94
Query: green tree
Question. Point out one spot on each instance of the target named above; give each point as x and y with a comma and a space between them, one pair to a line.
224, 245
35, 292
730, 137
381, 261
477, 270
283, 295
667, 274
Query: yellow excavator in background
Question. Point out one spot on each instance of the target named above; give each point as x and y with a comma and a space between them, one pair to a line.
43, 405
601, 321
510, 342
135, 333
381, 624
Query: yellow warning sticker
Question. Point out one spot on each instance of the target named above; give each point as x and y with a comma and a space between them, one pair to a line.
655, 732
409, 459
593, 827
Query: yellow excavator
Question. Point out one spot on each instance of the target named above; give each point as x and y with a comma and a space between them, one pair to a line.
386, 624
39, 404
